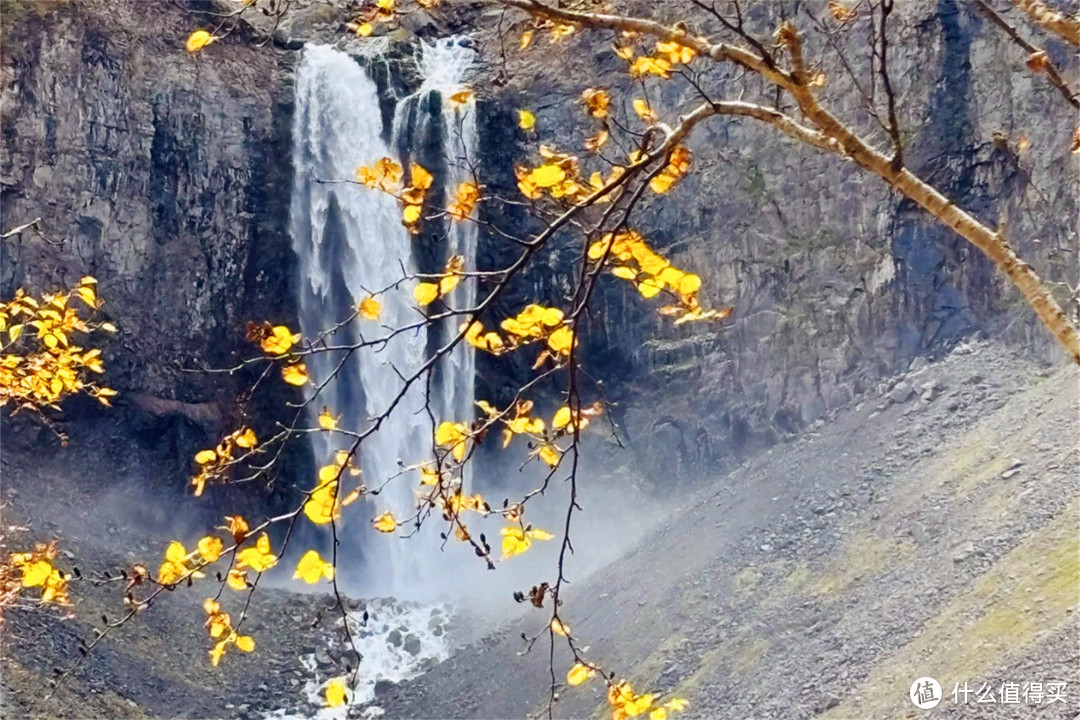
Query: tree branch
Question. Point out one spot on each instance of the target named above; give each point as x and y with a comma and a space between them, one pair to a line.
1051, 70
1058, 23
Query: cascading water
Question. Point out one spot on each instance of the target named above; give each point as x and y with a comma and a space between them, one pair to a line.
350, 242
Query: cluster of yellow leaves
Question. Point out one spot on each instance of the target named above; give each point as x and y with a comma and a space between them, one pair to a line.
559, 175
635, 261
278, 341
516, 539
387, 175
622, 699
219, 625
312, 567
180, 564
379, 11
454, 436
678, 165
426, 293
556, 31
661, 62
258, 557
532, 324
198, 40
468, 194
39, 369
213, 464
324, 503
36, 570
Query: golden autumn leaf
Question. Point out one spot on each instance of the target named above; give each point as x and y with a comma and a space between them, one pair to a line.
426, 293
561, 341
526, 39
197, 40
385, 523
205, 457
210, 548
312, 567
462, 96
36, 573
217, 652
559, 627
245, 643
514, 541
237, 579
841, 12
279, 340
526, 120
370, 308
258, 558
547, 175
549, 455
538, 534
578, 674
420, 177
641, 107
326, 420
295, 374
596, 101
335, 693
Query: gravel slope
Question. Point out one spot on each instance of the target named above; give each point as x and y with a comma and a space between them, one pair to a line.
929, 530
932, 530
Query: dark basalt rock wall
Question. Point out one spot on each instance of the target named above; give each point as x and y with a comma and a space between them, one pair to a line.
167, 177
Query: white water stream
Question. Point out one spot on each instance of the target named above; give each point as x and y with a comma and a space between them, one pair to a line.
349, 241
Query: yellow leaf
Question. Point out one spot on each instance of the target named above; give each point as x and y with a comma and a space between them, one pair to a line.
237, 579
279, 340
559, 628
247, 438
217, 652
312, 567
176, 552
385, 523
421, 178
36, 573
649, 288
198, 40
659, 713
370, 308
514, 541
411, 214
526, 120
676, 704
326, 420
641, 107
461, 97
426, 293
562, 418
689, 284
335, 693
448, 283
578, 674
538, 534
205, 457
561, 341
295, 374
547, 175
526, 39
210, 548
596, 101
245, 643
108, 327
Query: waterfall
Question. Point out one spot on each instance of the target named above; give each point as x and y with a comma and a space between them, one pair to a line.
349, 242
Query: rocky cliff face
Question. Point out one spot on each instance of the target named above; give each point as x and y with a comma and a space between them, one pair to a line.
167, 177
836, 281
